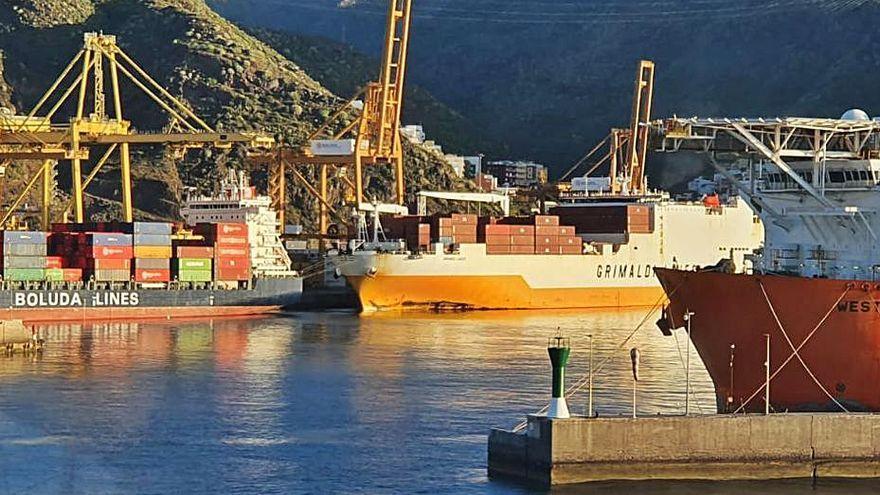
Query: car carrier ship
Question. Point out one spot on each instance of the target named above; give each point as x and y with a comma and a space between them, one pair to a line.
812, 301
227, 260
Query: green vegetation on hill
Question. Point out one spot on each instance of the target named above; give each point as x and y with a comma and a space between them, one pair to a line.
227, 76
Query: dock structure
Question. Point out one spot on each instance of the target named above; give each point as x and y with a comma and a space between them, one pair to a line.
551, 452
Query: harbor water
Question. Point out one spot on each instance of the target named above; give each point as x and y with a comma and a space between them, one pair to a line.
321, 402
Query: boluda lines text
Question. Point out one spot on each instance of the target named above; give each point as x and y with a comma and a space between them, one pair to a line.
50, 299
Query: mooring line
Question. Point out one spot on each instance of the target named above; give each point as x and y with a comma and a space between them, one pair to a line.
795, 353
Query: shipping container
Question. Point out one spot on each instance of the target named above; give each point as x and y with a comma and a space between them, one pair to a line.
152, 264
54, 262
193, 264
545, 230
521, 230
108, 252
55, 274
105, 239
197, 252
72, 274
522, 249
546, 240
497, 240
229, 262
498, 249
152, 251
226, 229
231, 241
195, 275
24, 274
332, 147
546, 220
572, 240
464, 218
151, 240
104, 264
152, 275
522, 240
231, 251
111, 275
153, 228
24, 262
565, 230
24, 249
497, 230
24, 237
469, 229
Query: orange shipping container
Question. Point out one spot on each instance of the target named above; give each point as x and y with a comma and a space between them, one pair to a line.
72, 274
498, 249
522, 250
544, 230
464, 229
547, 249
498, 240
462, 218
522, 230
570, 250
522, 240
54, 261
148, 275
497, 230
546, 241
570, 241
566, 230
546, 220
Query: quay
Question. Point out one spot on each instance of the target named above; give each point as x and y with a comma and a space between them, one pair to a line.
552, 451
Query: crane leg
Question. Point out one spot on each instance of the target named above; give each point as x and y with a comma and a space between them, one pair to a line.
47, 193
76, 172
358, 181
325, 215
398, 175
125, 165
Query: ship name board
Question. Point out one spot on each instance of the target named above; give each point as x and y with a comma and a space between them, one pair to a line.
40, 299
624, 271
858, 306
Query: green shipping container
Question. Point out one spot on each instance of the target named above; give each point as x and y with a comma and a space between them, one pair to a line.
54, 274
194, 275
194, 264
24, 274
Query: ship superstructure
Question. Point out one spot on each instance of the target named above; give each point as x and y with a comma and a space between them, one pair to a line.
813, 292
238, 202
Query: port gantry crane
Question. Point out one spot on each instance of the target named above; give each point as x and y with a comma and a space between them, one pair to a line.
35, 137
377, 138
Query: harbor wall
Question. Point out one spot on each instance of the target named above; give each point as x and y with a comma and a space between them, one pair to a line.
718, 447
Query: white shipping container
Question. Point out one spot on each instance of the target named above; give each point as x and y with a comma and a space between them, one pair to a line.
332, 147
598, 184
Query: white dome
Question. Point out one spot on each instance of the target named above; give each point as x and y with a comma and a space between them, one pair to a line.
855, 114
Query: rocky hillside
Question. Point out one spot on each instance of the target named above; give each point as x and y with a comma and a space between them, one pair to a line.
550, 78
227, 76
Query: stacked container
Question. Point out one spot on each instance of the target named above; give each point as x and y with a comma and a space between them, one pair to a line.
232, 260
24, 255
539, 234
152, 251
194, 263
105, 256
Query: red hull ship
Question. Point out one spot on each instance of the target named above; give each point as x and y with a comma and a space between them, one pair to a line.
834, 324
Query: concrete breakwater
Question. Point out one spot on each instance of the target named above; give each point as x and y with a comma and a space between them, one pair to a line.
718, 447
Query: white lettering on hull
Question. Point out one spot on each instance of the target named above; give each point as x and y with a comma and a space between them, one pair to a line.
61, 299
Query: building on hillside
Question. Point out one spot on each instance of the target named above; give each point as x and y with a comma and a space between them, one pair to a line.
486, 182
473, 166
414, 133
457, 163
517, 173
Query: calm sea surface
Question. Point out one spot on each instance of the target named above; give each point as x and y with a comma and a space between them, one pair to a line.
319, 403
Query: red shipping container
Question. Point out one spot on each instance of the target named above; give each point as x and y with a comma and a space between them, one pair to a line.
462, 218
497, 249
222, 229
570, 241
150, 275
544, 230
498, 240
570, 250
104, 263
231, 241
497, 230
547, 249
522, 240
552, 220
464, 230
72, 274
566, 230
522, 249
444, 222
445, 232
522, 230
546, 241
229, 262
54, 262
197, 251
232, 251
465, 239
108, 252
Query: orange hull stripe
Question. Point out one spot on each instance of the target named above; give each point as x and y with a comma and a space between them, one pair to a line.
491, 292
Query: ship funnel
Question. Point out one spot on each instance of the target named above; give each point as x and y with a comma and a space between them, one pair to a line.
559, 349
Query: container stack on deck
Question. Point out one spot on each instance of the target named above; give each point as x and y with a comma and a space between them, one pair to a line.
152, 252
538, 234
194, 263
232, 262
24, 256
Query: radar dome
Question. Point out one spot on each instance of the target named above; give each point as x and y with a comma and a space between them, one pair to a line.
855, 114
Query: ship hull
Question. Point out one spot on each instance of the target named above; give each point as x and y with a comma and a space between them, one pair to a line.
490, 292
45, 304
732, 315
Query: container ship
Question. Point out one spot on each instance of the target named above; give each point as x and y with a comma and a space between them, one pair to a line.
812, 302
585, 254
228, 260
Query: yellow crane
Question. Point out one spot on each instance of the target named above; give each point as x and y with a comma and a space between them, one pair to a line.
35, 137
377, 140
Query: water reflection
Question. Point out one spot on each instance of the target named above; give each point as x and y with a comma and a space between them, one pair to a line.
319, 403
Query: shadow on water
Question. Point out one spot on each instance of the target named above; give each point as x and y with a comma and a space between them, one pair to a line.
781, 487
318, 402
